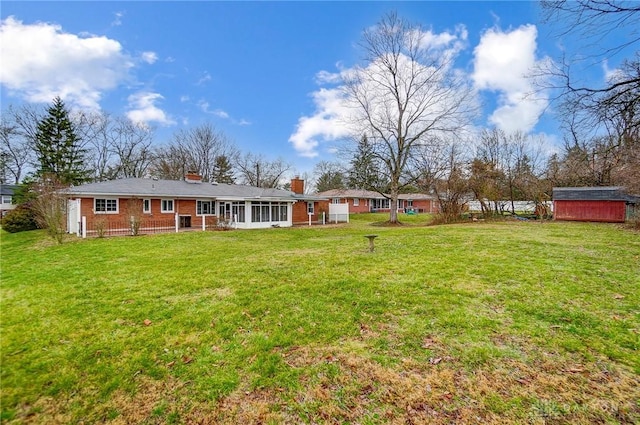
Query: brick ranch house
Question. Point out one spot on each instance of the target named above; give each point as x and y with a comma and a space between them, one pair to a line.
606, 204
361, 201
184, 204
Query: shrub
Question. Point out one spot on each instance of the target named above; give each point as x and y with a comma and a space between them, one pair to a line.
19, 219
634, 221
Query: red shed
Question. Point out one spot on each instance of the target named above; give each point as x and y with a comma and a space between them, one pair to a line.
607, 204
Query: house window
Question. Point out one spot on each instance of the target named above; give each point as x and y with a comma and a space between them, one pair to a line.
410, 203
237, 209
204, 207
260, 212
380, 204
166, 206
146, 206
356, 202
310, 208
105, 206
335, 201
400, 204
279, 211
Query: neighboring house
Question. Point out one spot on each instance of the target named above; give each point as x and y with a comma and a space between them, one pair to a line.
6, 195
179, 204
361, 201
608, 204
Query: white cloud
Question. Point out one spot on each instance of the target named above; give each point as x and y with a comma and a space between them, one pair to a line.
326, 77
40, 61
220, 113
149, 57
143, 109
333, 118
326, 124
205, 77
502, 62
444, 40
611, 74
117, 21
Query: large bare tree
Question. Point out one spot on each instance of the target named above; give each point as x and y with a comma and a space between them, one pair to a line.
407, 91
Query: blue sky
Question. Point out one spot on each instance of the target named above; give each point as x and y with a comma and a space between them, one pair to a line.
256, 70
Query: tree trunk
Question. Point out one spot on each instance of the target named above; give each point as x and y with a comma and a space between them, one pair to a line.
393, 211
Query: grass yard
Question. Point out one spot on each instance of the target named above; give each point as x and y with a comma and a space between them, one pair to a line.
506, 322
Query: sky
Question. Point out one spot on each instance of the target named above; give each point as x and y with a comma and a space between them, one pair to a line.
264, 73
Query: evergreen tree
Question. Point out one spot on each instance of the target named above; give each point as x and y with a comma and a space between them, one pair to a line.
364, 174
58, 147
330, 180
222, 170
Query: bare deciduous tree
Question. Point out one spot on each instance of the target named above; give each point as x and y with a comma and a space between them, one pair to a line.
606, 29
50, 206
256, 170
197, 149
18, 128
407, 91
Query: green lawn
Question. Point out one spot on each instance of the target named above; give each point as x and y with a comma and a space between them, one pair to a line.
505, 322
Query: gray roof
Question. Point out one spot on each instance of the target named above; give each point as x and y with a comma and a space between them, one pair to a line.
368, 194
8, 189
151, 188
604, 193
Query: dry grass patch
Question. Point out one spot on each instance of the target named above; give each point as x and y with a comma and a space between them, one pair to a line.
342, 387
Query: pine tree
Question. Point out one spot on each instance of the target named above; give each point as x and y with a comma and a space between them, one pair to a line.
364, 174
222, 170
58, 147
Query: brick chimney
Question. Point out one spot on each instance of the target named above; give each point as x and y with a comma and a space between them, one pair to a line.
297, 185
192, 177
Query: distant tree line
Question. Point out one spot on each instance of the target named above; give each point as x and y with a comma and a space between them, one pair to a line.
81, 147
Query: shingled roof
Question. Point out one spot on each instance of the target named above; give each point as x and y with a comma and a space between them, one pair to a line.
152, 188
368, 194
605, 193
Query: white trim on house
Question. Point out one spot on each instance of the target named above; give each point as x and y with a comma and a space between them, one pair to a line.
203, 210
164, 206
107, 205
146, 206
